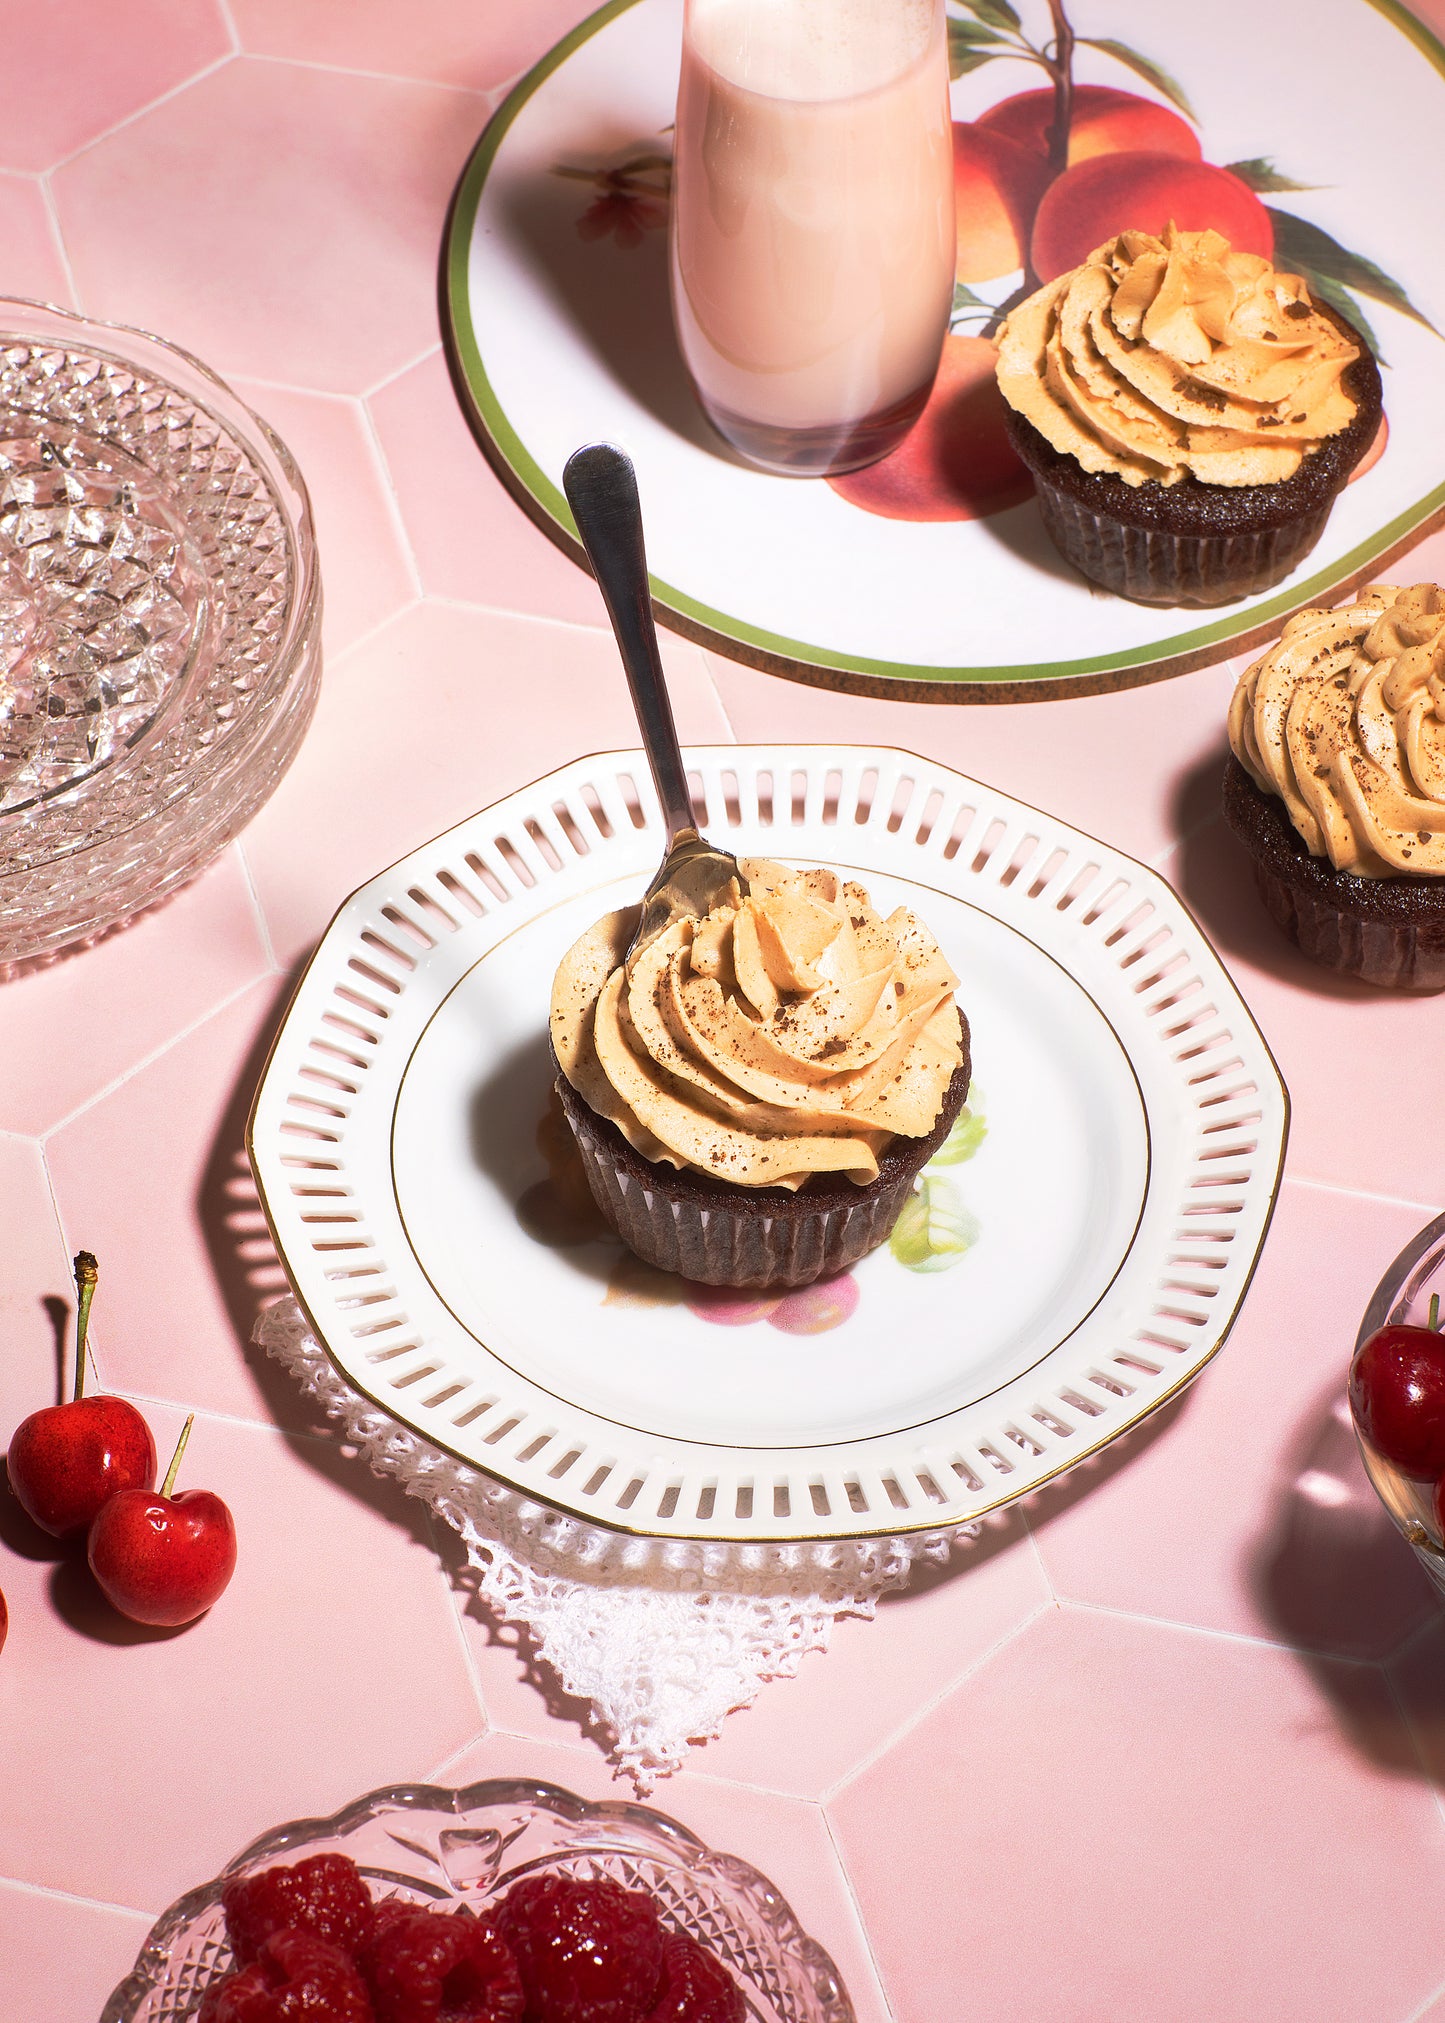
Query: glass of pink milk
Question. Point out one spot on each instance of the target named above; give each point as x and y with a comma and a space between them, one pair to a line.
813, 240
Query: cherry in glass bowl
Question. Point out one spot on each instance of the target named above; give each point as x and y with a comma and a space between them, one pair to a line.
1405, 1295
429, 1845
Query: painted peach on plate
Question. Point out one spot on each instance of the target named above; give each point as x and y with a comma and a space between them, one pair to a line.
997, 186
1142, 192
956, 462
1103, 121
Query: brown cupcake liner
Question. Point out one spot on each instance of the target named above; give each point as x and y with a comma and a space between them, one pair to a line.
1384, 931
759, 1237
1192, 543
1153, 566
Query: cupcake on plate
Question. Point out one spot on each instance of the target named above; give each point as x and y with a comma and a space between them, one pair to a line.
1188, 413
755, 1100
1336, 785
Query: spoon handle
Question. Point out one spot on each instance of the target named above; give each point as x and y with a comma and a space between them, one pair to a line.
601, 488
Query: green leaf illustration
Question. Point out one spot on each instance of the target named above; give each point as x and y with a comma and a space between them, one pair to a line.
1142, 67
964, 52
997, 13
934, 1230
964, 298
965, 33
968, 1133
1260, 175
1299, 244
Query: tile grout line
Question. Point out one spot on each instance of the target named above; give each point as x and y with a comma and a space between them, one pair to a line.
1362, 1194
54, 1895
388, 485
57, 233
456, 1603
857, 1909
143, 111
263, 927
148, 1061
483, 95
921, 1714
399, 372
1218, 1636
1427, 2005
223, 8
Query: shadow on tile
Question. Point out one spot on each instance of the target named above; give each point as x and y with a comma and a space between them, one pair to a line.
1212, 873
1335, 1581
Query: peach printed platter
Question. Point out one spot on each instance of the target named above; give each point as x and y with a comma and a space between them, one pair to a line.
1076, 1252
930, 575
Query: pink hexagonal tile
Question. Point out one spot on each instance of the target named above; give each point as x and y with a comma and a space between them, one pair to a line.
218, 220
34, 1270
1113, 1819
63, 1958
477, 46
1347, 1050
366, 574
29, 253
125, 997
803, 1734
438, 714
784, 1837
1124, 767
153, 1179
69, 74
1247, 1509
470, 538
330, 1665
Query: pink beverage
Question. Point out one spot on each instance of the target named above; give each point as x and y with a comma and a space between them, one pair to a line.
812, 226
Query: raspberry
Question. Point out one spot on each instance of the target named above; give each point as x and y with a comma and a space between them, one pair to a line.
324, 1894
590, 1952
440, 1967
696, 1988
295, 1978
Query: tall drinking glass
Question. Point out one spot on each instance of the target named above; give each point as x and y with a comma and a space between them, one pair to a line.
813, 245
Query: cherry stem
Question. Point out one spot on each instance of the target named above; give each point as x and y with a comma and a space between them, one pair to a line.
169, 1482
1434, 1320
86, 1273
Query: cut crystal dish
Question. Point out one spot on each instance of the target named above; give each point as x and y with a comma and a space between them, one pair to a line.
431, 1845
160, 613
1404, 1294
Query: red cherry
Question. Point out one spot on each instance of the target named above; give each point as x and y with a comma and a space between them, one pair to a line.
4, 1622
1397, 1394
163, 1559
67, 1460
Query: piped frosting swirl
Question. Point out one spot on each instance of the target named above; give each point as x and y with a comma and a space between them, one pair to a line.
794, 1032
1344, 719
1176, 357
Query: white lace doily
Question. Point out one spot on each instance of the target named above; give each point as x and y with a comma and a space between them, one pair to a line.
664, 1637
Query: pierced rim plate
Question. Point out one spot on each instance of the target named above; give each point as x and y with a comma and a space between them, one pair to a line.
1081, 1248
561, 333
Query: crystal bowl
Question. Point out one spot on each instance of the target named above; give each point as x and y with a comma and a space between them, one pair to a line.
437, 1846
1404, 1294
160, 614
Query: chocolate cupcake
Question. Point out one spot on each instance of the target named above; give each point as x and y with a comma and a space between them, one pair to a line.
755, 1100
1188, 414
1336, 785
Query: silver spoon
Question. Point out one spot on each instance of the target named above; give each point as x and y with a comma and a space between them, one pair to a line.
695, 876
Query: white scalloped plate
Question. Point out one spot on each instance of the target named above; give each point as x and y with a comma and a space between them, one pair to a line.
1113, 1199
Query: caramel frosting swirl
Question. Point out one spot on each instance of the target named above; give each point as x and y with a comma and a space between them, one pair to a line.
793, 1032
1169, 358
1344, 719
